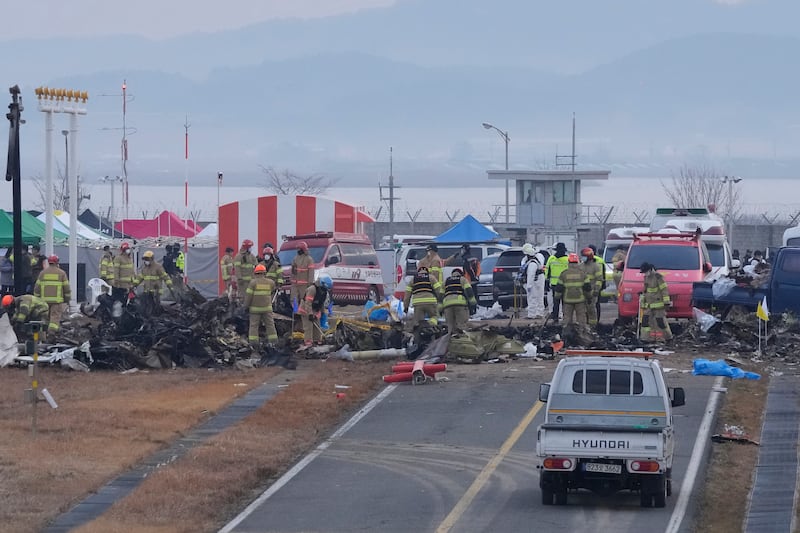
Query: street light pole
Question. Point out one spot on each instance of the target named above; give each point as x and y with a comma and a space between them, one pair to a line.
730, 180
506, 138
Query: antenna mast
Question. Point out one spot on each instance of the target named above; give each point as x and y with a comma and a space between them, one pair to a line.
391, 198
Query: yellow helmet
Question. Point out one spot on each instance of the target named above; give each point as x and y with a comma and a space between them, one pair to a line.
148, 254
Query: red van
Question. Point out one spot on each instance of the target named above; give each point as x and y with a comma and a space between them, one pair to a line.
348, 258
682, 258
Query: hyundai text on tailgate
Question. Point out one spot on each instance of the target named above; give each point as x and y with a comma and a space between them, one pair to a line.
608, 427
682, 258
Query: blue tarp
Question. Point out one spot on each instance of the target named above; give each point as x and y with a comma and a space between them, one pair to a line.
468, 230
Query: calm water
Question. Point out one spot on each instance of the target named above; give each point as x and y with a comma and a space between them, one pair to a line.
627, 195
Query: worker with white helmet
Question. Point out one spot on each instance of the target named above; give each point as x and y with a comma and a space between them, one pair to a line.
532, 276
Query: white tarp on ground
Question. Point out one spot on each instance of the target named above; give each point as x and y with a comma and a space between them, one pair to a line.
8, 342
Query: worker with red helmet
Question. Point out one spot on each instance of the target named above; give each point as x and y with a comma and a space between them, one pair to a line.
573, 285
124, 273
302, 273
258, 302
243, 264
52, 286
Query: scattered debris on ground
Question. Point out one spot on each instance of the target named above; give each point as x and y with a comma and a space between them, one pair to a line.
734, 434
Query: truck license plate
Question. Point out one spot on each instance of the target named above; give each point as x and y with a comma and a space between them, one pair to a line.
602, 468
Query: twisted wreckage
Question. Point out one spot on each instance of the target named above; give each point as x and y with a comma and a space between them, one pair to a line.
196, 332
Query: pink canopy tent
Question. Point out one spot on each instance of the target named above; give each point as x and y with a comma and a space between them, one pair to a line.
167, 224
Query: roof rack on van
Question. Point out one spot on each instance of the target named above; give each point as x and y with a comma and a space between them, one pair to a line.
340, 236
683, 211
609, 353
686, 236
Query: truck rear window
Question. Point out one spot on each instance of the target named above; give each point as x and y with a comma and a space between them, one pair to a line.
664, 257
607, 382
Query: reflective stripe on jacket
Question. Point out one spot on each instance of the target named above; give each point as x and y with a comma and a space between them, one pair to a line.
302, 270
107, 267
656, 293
457, 291
124, 273
258, 296
52, 286
573, 279
554, 267
226, 266
244, 263
32, 308
151, 276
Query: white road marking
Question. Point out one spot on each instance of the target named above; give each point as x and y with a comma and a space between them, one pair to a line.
305, 461
700, 443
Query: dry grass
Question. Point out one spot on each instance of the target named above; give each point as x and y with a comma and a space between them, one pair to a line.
730, 471
105, 423
208, 486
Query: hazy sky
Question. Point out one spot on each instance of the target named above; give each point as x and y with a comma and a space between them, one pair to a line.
157, 18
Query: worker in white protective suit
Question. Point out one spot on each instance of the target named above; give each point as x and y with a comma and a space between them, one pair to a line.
533, 275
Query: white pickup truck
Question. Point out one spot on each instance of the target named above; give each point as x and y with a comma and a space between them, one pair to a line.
608, 427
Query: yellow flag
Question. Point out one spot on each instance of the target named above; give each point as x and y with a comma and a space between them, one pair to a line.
762, 311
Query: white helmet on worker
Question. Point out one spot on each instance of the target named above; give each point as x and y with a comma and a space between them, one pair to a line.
529, 249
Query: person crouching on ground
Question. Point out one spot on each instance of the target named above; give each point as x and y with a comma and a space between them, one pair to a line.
458, 302
312, 307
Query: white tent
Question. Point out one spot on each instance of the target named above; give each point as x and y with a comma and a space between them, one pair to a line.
212, 230
62, 221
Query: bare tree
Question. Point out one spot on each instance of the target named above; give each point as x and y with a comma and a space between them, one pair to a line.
702, 186
286, 182
60, 192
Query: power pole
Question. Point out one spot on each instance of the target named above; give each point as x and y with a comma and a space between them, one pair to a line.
13, 174
391, 198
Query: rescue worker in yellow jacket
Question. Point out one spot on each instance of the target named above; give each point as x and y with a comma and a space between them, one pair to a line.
596, 272
312, 307
458, 302
244, 263
124, 273
150, 277
555, 265
107, 268
258, 302
432, 262
618, 262
573, 286
273, 266
53, 287
302, 273
27, 308
423, 293
228, 272
654, 303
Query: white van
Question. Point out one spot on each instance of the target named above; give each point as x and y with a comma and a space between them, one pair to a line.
713, 235
791, 237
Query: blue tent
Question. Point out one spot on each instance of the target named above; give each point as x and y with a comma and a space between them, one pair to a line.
468, 230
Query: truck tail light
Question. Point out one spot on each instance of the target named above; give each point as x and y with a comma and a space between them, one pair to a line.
558, 463
399, 274
645, 466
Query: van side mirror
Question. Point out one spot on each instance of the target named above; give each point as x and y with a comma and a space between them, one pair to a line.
544, 392
331, 260
678, 397
706, 267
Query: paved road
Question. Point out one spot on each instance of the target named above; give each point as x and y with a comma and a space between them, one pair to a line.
408, 464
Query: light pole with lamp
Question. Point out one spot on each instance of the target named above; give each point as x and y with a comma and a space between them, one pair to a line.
112, 216
730, 180
506, 138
